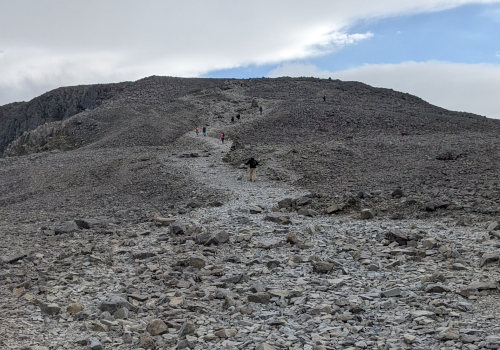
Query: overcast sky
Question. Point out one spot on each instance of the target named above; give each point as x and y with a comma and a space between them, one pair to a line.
444, 51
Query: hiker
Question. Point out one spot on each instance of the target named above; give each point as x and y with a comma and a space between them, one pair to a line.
253, 168
238, 116
204, 131
324, 98
197, 130
232, 120
260, 109
222, 137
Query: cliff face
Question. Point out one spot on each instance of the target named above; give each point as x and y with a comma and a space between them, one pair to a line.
56, 105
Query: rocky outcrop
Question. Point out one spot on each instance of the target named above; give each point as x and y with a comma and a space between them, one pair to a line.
56, 105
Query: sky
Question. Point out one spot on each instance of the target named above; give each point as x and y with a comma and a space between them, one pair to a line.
444, 51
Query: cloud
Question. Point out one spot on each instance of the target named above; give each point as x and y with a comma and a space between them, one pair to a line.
461, 87
54, 42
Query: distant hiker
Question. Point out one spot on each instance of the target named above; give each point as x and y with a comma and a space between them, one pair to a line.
260, 109
232, 119
238, 116
324, 98
204, 131
253, 168
222, 136
197, 130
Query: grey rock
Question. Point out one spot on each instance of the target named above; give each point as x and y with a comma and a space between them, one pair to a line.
489, 258
333, 208
397, 193
257, 288
285, 203
146, 342
278, 218
322, 267
393, 292
449, 334
400, 237
187, 327
212, 239
366, 214
121, 314
10, 259
255, 209
67, 227
197, 262
82, 224
95, 344
492, 342
143, 255
260, 298
303, 201
493, 226
157, 327
114, 302
307, 212
177, 228
50, 309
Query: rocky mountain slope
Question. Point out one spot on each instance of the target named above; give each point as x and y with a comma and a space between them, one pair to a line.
354, 149
373, 223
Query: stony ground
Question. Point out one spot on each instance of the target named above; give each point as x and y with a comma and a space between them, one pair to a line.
256, 269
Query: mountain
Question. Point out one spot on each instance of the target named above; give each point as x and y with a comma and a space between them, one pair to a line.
372, 224
346, 142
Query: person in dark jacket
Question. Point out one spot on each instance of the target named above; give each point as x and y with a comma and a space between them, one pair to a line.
253, 168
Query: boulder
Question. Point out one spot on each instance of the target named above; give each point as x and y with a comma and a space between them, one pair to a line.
286, 203
260, 298
177, 228
397, 193
307, 212
66, 227
400, 237
113, 303
333, 208
255, 209
366, 214
157, 327
73, 308
494, 226
278, 218
322, 266
162, 221
489, 258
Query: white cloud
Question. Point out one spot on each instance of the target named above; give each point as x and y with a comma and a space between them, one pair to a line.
54, 42
462, 87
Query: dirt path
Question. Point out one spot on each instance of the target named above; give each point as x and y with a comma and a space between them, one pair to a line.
242, 194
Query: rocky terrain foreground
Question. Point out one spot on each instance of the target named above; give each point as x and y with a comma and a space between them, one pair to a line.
122, 229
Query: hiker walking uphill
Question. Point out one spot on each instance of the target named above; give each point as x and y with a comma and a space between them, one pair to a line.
222, 137
204, 131
197, 130
253, 168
